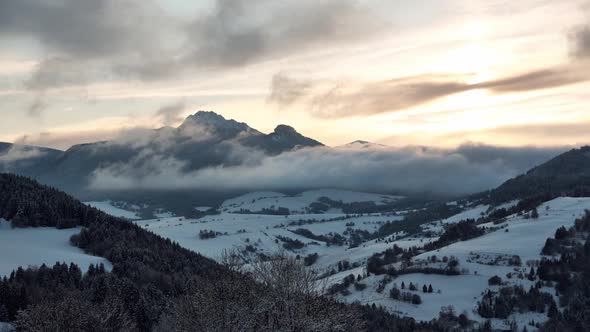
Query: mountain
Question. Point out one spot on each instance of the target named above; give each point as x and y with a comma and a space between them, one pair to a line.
216, 125
26, 159
360, 144
566, 174
204, 139
283, 138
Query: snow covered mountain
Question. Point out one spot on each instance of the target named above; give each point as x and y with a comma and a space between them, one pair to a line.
360, 144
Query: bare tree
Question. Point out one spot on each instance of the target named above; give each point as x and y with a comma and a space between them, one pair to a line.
73, 314
232, 259
276, 294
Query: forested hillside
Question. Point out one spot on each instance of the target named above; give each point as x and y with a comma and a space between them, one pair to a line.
566, 174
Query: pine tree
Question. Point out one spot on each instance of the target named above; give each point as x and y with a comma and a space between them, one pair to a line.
429, 288
4, 313
424, 289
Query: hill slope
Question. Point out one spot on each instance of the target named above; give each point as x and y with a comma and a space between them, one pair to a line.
568, 173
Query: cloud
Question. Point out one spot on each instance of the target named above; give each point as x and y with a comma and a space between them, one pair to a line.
171, 114
381, 97
57, 72
103, 40
82, 28
546, 134
36, 106
580, 39
467, 169
19, 152
64, 140
285, 90
537, 80
408, 92
238, 32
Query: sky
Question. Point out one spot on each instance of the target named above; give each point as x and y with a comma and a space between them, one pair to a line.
422, 72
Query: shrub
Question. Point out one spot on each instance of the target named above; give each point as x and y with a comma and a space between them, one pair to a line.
494, 281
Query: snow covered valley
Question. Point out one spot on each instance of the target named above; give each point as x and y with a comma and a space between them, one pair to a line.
338, 245
418, 274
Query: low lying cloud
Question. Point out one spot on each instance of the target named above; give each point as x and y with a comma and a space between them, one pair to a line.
467, 169
18, 153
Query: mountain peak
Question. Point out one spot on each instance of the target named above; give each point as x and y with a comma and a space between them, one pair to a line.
284, 129
358, 141
216, 123
288, 136
363, 144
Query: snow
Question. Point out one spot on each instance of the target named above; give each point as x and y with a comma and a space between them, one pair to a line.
472, 213
42, 245
164, 214
109, 208
525, 238
256, 201
460, 291
261, 231
508, 205
6, 327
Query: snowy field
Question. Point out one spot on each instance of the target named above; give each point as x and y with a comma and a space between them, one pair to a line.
525, 238
108, 207
36, 246
517, 236
6, 327
256, 201
261, 231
